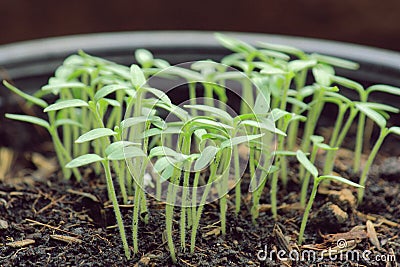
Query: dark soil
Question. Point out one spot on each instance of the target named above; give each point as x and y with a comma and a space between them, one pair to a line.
37, 209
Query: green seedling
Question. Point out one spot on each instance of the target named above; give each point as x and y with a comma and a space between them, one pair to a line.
317, 144
367, 109
309, 166
114, 152
285, 118
86, 123
340, 128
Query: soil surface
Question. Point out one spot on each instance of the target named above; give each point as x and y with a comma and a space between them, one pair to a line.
45, 221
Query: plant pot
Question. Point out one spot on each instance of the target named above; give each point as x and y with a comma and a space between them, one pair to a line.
30, 64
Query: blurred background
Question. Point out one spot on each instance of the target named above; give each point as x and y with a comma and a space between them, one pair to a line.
374, 23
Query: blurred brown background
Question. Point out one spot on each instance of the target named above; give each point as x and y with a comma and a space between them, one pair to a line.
368, 22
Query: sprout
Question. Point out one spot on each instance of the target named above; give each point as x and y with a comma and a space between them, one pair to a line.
87, 126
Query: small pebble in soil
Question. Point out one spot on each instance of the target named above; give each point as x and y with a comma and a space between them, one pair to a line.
343, 198
239, 229
329, 215
390, 168
3, 224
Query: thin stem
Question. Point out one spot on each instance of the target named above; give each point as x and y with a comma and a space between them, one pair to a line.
238, 193
186, 151
300, 81
196, 221
120, 223
369, 127
384, 132
169, 211
330, 155
360, 136
306, 180
307, 210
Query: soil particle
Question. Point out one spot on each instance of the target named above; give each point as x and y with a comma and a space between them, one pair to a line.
330, 215
343, 198
390, 168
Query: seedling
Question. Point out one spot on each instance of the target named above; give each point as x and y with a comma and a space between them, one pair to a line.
302, 158
368, 110
115, 151
317, 144
93, 94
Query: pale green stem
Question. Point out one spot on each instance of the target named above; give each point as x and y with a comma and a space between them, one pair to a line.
238, 192
307, 210
364, 175
306, 180
330, 155
120, 223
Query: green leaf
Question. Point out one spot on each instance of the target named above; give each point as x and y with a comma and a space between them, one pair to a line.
269, 70
239, 140
262, 104
284, 153
213, 124
57, 86
294, 101
84, 160
160, 94
277, 113
200, 133
395, 130
299, 65
126, 153
143, 56
205, 66
384, 88
334, 61
63, 104
137, 76
234, 44
275, 54
119, 70
164, 151
108, 89
30, 119
223, 115
129, 122
322, 74
119, 145
302, 158
348, 83
163, 163
380, 106
372, 114
95, 134
266, 125
111, 102
283, 48
61, 122
326, 147
161, 63
189, 75
339, 179
27, 97
316, 139
167, 172
206, 156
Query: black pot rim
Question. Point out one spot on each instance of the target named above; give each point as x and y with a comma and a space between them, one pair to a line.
56, 47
